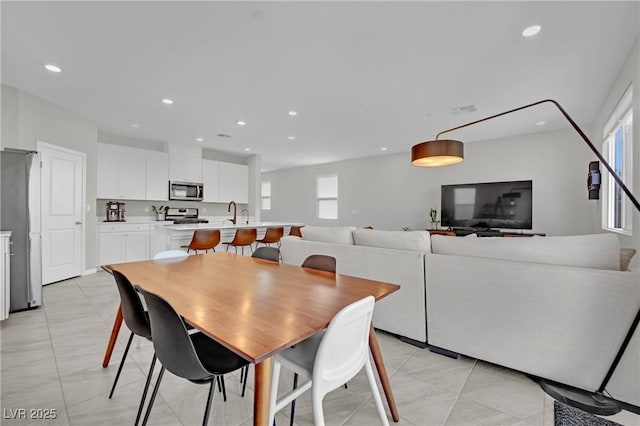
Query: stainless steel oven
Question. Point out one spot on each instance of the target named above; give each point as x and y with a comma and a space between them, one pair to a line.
185, 191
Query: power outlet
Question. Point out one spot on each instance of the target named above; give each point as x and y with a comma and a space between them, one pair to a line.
147, 209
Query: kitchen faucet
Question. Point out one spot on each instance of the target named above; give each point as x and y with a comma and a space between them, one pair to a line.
247, 211
234, 211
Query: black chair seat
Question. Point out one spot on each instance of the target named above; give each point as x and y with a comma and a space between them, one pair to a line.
214, 357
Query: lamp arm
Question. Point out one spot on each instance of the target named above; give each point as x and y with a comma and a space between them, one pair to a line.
615, 176
636, 320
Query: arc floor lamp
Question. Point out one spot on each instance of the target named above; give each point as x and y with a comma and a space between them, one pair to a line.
442, 152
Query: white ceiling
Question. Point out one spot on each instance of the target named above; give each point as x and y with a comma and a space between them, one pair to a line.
362, 75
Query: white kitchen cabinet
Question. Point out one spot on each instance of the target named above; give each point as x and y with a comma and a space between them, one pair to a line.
123, 243
121, 172
234, 183
185, 162
5, 266
157, 176
211, 180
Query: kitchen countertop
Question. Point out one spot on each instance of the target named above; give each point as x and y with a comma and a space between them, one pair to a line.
227, 225
214, 223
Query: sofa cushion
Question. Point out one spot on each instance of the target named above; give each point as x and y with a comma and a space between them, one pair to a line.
400, 240
599, 251
328, 234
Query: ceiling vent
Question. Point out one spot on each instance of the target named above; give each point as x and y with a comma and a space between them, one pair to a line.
222, 135
463, 109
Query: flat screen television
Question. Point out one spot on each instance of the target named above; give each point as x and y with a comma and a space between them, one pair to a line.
501, 205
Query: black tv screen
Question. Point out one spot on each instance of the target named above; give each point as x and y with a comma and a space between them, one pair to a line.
502, 205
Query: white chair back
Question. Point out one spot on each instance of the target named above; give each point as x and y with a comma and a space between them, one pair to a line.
345, 346
169, 254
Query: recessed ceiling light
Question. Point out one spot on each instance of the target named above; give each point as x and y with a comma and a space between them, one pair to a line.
167, 101
53, 68
293, 113
199, 139
247, 149
384, 148
291, 138
135, 125
241, 123
531, 31
541, 123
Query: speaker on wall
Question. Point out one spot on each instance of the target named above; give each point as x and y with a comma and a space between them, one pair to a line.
593, 180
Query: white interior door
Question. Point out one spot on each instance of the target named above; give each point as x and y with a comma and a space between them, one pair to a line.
62, 187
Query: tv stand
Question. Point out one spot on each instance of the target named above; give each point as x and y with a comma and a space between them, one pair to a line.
481, 232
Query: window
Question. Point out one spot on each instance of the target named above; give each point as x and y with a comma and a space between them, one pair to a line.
617, 150
327, 189
266, 195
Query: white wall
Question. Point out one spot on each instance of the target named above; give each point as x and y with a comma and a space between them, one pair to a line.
387, 192
27, 119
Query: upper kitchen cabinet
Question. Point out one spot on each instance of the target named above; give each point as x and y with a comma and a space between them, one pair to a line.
211, 181
121, 172
234, 183
157, 176
185, 162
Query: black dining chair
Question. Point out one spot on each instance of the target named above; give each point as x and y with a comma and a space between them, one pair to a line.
137, 320
321, 262
268, 253
194, 357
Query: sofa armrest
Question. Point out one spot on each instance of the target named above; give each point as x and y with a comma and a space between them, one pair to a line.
558, 322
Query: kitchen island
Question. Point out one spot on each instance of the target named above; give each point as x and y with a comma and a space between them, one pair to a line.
170, 237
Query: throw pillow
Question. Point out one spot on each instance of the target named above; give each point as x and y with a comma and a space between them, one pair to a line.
328, 234
400, 240
599, 251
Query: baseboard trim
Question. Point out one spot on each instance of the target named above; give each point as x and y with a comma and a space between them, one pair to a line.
89, 272
445, 352
413, 342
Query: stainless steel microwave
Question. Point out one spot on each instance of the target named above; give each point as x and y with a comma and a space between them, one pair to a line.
185, 191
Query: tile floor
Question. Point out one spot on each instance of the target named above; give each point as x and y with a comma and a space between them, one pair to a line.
51, 359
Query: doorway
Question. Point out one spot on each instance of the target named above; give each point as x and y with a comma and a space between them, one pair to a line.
62, 197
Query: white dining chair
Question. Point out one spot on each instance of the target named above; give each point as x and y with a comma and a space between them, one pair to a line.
329, 359
168, 254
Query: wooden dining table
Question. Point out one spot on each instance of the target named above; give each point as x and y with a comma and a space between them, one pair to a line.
257, 308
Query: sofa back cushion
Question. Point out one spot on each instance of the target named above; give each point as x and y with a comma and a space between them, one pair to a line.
400, 240
328, 234
598, 251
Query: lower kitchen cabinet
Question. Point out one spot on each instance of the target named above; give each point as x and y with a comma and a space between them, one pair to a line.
5, 276
123, 243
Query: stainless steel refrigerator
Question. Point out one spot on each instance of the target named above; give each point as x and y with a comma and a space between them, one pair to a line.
20, 214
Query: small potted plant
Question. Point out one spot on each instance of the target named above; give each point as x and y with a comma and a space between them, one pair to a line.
160, 211
433, 218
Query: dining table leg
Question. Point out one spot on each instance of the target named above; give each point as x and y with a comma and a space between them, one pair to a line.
113, 338
261, 391
382, 373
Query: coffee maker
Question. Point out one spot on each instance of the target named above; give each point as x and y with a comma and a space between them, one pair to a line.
115, 211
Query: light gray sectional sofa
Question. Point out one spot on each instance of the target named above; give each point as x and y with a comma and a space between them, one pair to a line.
553, 307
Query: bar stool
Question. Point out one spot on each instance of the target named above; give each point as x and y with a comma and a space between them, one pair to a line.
244, 237
272, 236
204, 239
295, 230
